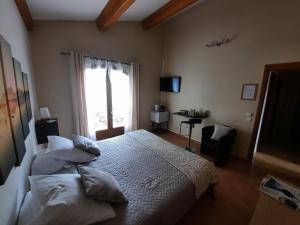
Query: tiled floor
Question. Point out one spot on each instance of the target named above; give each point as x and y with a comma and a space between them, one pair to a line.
236, 193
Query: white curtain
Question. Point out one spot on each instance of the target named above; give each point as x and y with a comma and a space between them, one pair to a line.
133, 123
77, 67
132, 71
96, 94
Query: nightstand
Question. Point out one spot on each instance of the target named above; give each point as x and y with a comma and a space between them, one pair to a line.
44, 128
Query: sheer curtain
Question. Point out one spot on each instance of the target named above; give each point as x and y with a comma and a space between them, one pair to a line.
133, 122
95, 77
77, 68
124, 81
110, 86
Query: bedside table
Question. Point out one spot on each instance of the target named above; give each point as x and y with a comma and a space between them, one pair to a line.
44, 128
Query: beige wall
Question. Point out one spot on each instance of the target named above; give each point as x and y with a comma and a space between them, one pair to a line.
15, 187
124, 41
268, 32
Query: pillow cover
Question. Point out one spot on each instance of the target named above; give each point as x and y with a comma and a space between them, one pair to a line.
86, 144
28, 210
220, 131
61, 200
101, 185
44, 164
64, 149
68, 169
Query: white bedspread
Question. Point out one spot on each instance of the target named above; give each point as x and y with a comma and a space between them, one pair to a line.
199, 170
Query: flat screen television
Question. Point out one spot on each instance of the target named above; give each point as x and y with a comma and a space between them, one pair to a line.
170, 84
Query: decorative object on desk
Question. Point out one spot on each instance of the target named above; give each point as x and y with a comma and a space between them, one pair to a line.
21, 97
159, 108
7, 149
249, 92
193, 113
220, 148
183, 112
221, 42
44, 113
44, 128
27, 96
12, 100
204, 113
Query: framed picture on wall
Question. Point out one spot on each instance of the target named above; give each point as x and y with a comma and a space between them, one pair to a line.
249, 92
21, 96
12, 100
7, 148
27, 96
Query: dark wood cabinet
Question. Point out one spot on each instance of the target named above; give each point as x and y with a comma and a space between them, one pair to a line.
44, 128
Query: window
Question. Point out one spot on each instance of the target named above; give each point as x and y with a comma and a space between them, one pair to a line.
107, 98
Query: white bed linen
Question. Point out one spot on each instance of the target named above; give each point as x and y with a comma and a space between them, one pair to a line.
199, 170
60, 200
64, 149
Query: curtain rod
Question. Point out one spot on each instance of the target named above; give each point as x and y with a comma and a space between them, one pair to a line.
87, 56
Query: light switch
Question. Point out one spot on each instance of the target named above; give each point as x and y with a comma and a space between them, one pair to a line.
249, 116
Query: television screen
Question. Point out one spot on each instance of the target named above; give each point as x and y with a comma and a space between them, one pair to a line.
170, 84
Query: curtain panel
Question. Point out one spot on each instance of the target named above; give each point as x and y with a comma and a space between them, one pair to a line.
78, 65
134, 89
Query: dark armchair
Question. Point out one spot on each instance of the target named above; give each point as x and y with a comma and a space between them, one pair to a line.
221, 148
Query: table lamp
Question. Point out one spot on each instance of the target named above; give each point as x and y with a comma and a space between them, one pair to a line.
44, 113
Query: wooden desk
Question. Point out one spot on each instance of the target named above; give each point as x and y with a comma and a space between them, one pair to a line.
271, 212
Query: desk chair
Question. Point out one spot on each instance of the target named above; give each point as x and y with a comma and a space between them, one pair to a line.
191, 123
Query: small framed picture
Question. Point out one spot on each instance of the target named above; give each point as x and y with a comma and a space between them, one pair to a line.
249, 92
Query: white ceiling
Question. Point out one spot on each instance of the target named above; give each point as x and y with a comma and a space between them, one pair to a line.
88, 9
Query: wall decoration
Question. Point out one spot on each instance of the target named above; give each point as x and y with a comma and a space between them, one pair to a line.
249, 92
7, 148
223, 41
21, 97
12, 98
27, 96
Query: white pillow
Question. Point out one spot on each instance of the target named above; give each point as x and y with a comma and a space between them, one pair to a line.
220, 131
44, 164
63, 149
28, 210
60, 200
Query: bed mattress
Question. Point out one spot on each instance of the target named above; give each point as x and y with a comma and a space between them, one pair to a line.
160, 180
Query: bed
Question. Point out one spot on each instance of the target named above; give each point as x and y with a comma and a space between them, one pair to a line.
160, 180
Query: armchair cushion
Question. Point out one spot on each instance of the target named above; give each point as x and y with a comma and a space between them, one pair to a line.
220, 131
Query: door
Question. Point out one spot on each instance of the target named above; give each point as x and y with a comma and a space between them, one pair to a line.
107, 101
281, 115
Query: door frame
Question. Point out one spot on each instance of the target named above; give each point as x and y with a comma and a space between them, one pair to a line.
259, 111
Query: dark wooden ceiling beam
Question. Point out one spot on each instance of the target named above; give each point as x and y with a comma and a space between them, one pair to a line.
113, 10
166, 11
25, 13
